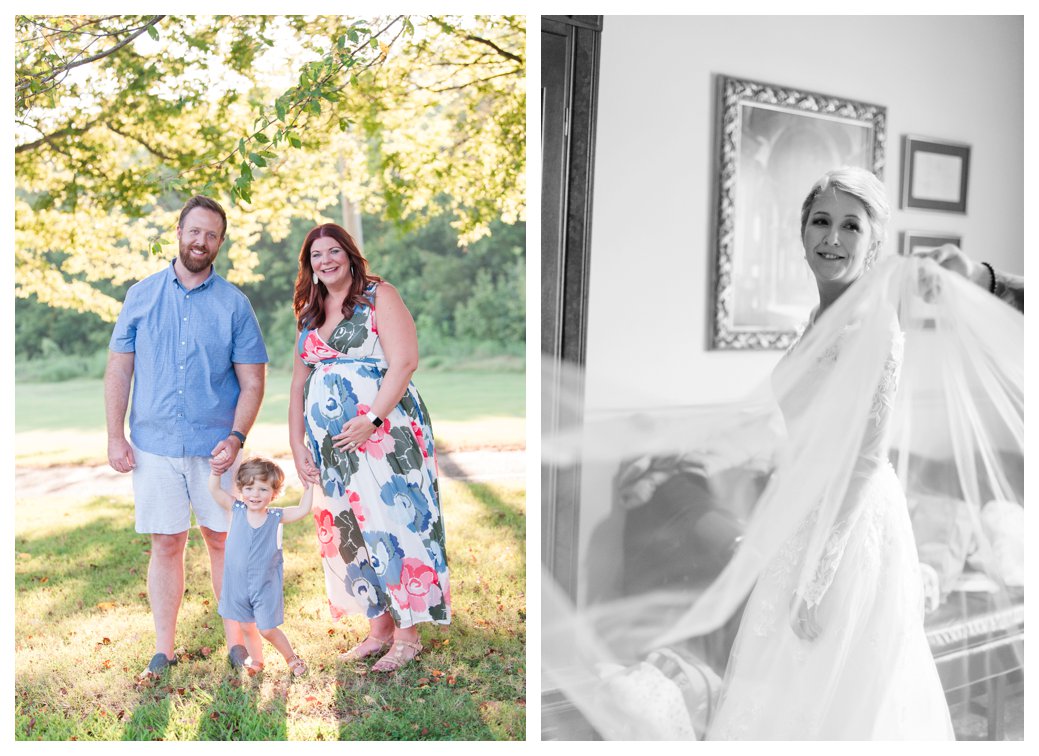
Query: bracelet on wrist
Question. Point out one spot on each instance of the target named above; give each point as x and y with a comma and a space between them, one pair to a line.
992, 278
239, 435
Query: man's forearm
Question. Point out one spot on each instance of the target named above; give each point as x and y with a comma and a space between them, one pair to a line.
1011, 289
250, 398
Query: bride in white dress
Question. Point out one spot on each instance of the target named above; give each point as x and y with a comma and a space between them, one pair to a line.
906, 388
851, 661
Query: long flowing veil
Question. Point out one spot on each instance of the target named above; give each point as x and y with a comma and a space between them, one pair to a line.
924, 372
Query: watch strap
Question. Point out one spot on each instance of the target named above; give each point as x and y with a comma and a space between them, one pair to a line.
239, 435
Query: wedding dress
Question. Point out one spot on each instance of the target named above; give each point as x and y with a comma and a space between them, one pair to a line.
780, 686
909, 387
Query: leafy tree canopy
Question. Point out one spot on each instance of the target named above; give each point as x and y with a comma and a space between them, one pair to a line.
118, 119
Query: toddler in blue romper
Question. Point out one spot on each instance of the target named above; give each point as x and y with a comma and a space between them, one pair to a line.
252, 592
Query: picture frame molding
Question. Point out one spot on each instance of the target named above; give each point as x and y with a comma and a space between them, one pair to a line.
732, 92
913, 144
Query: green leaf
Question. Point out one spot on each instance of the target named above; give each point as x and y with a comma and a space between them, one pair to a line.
153, 32
344, 124
315, 106
247, 171
279, 106
352, 34
262, 138
241, 147
257, 160
295, 141
373, 43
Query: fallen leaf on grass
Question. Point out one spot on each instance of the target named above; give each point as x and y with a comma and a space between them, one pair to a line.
106, 605
451, 680
205, 651
44, 579
437, 673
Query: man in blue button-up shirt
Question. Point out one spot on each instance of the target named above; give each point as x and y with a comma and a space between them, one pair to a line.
189, 343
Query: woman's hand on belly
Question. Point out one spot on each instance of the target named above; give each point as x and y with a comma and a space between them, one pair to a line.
355, 432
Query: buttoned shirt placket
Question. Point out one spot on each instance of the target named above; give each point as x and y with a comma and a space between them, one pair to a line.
184, 324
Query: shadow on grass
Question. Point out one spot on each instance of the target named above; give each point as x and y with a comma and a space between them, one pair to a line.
101, 562
500, 515
421, 702
238, 712
151, 716
100, 558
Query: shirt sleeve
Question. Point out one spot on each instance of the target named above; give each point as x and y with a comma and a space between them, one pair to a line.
248, 347
124, 335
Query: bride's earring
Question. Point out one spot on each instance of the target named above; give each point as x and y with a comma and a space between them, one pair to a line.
315, 278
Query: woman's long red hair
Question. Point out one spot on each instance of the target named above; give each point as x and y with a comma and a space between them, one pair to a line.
308, 300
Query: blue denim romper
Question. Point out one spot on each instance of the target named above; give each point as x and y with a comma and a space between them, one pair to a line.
253, 579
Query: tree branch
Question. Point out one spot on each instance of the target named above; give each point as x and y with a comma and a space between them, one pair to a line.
134, 138
49, 139
500, 51
55, 72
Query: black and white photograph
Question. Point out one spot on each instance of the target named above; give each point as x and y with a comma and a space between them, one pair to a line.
782, 415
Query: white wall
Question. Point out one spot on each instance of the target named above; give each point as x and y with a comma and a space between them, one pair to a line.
947, 77
954, 78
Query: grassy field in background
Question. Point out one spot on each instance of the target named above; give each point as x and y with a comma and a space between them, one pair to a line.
64, 423
84, 631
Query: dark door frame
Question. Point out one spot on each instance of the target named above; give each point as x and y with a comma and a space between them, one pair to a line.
566, 238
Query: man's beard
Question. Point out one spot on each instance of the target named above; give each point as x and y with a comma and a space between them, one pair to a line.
192, 263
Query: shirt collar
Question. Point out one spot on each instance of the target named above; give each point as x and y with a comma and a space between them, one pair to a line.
172, 273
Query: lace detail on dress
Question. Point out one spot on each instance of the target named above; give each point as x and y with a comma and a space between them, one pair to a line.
872, 458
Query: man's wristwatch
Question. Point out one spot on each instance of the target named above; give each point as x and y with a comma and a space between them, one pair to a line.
239, 435
374, 419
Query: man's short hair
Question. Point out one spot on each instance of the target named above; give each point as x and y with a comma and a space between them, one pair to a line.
204, 202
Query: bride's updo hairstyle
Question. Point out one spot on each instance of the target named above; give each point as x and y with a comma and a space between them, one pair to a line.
863, 186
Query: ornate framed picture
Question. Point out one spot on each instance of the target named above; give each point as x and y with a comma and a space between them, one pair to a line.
773, 143
934, 174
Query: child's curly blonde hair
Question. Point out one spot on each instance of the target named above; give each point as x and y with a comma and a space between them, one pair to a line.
264, 469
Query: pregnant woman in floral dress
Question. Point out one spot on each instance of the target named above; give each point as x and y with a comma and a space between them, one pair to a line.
360, 430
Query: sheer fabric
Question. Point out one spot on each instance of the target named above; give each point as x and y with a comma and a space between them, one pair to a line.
901, 406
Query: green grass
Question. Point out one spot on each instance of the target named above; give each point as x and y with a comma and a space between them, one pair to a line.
64, 423
83, 631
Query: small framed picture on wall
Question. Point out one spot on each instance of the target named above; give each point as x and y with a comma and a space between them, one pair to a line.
914, 242
934, 174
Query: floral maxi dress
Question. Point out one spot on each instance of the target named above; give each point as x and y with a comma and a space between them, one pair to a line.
380, 533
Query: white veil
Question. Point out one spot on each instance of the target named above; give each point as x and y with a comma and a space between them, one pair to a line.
705, 497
